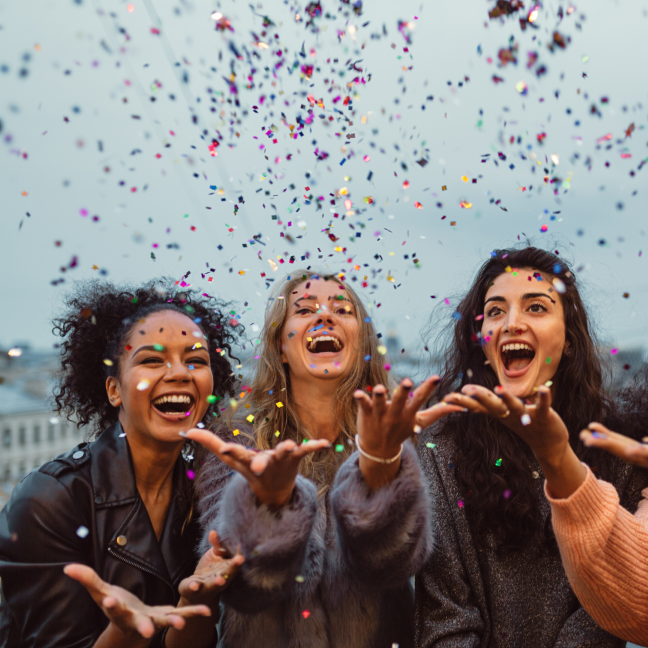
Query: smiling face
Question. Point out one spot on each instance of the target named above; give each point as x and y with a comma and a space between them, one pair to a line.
524, 325
164, 378
319, 339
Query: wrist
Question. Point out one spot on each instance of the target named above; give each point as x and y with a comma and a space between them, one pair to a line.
564, 473
380, 451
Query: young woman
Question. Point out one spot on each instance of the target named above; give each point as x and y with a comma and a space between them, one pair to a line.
496, 578
327, 561
603, 547
138, 366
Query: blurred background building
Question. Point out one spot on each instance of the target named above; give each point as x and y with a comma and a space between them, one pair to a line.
30, 433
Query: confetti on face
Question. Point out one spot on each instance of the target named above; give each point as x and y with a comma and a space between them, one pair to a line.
143, 385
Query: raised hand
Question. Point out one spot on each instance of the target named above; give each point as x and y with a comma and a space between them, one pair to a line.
211, 576
383, 425
126, 611
598, 436
538, 424
270, 473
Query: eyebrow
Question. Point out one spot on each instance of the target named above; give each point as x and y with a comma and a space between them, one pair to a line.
308, 298
151, 347
526, 296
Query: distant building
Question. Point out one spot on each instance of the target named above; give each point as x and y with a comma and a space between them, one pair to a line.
30, 433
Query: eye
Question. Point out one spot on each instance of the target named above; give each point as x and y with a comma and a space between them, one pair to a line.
303, 311
538, 308
494, 311
151, 360
200, 361
343, 311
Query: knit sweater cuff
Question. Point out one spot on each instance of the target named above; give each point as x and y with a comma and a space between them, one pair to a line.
590, 510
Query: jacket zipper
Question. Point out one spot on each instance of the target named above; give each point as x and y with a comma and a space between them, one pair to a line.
144, 569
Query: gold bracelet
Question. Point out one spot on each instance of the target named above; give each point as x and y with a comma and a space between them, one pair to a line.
377, 459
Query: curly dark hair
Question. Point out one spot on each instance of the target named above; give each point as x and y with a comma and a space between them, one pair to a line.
579, 398
99, 316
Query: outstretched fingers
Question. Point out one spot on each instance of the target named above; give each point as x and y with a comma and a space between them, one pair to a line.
89, 578
423, 392
426, 417
468, 403
364, 402
598, 436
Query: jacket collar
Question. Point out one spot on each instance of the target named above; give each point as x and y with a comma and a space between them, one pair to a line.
113, 481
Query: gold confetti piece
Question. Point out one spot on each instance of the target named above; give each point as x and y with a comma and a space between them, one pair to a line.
279, 404
235, 433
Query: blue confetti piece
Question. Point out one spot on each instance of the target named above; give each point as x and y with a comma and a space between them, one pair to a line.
343, 161
316, 328
367, 357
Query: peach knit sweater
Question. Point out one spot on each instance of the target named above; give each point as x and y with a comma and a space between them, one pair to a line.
604, 551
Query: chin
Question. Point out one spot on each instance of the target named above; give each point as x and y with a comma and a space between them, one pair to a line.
520, 389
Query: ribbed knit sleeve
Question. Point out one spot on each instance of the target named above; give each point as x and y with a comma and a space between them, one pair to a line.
605, 554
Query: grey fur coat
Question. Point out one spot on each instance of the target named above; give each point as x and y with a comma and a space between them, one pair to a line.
332, 573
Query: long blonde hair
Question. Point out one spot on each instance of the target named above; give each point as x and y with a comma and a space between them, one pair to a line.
271, 383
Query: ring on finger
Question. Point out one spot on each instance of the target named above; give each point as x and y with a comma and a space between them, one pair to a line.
503, 416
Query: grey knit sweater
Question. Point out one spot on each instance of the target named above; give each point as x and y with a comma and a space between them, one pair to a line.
332, 573
472, 597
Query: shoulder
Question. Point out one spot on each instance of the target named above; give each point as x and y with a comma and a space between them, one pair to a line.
68, 463
53, 494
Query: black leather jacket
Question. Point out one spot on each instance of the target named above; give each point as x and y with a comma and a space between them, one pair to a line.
84, 507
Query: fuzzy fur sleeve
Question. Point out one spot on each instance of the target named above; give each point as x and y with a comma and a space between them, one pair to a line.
273, 543
385, 536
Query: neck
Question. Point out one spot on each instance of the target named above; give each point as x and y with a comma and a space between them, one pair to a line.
153, 464
315, 403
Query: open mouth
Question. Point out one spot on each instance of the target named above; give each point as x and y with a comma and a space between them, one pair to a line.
174, 404
325, 344
517, 356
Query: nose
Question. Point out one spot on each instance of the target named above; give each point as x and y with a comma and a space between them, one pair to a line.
327, 321
177, 371
514, 323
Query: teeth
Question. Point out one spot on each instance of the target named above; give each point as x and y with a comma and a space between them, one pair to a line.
322, 338
516, 347
175, 398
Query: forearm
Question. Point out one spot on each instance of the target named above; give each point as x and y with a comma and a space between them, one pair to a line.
113, 637
563, 471
384, 534
605, 554
377, 475
199, 632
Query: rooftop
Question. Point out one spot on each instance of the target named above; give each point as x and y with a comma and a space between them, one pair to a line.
15, 400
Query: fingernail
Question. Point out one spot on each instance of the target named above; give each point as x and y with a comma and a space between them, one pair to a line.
290, 450
599, 435
225, 452
183, 435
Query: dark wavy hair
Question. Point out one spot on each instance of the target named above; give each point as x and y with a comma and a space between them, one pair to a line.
99, 316
579, 398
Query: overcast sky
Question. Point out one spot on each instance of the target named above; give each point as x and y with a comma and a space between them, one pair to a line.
97, 120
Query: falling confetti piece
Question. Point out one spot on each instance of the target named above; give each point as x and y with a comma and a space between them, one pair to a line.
142, 385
